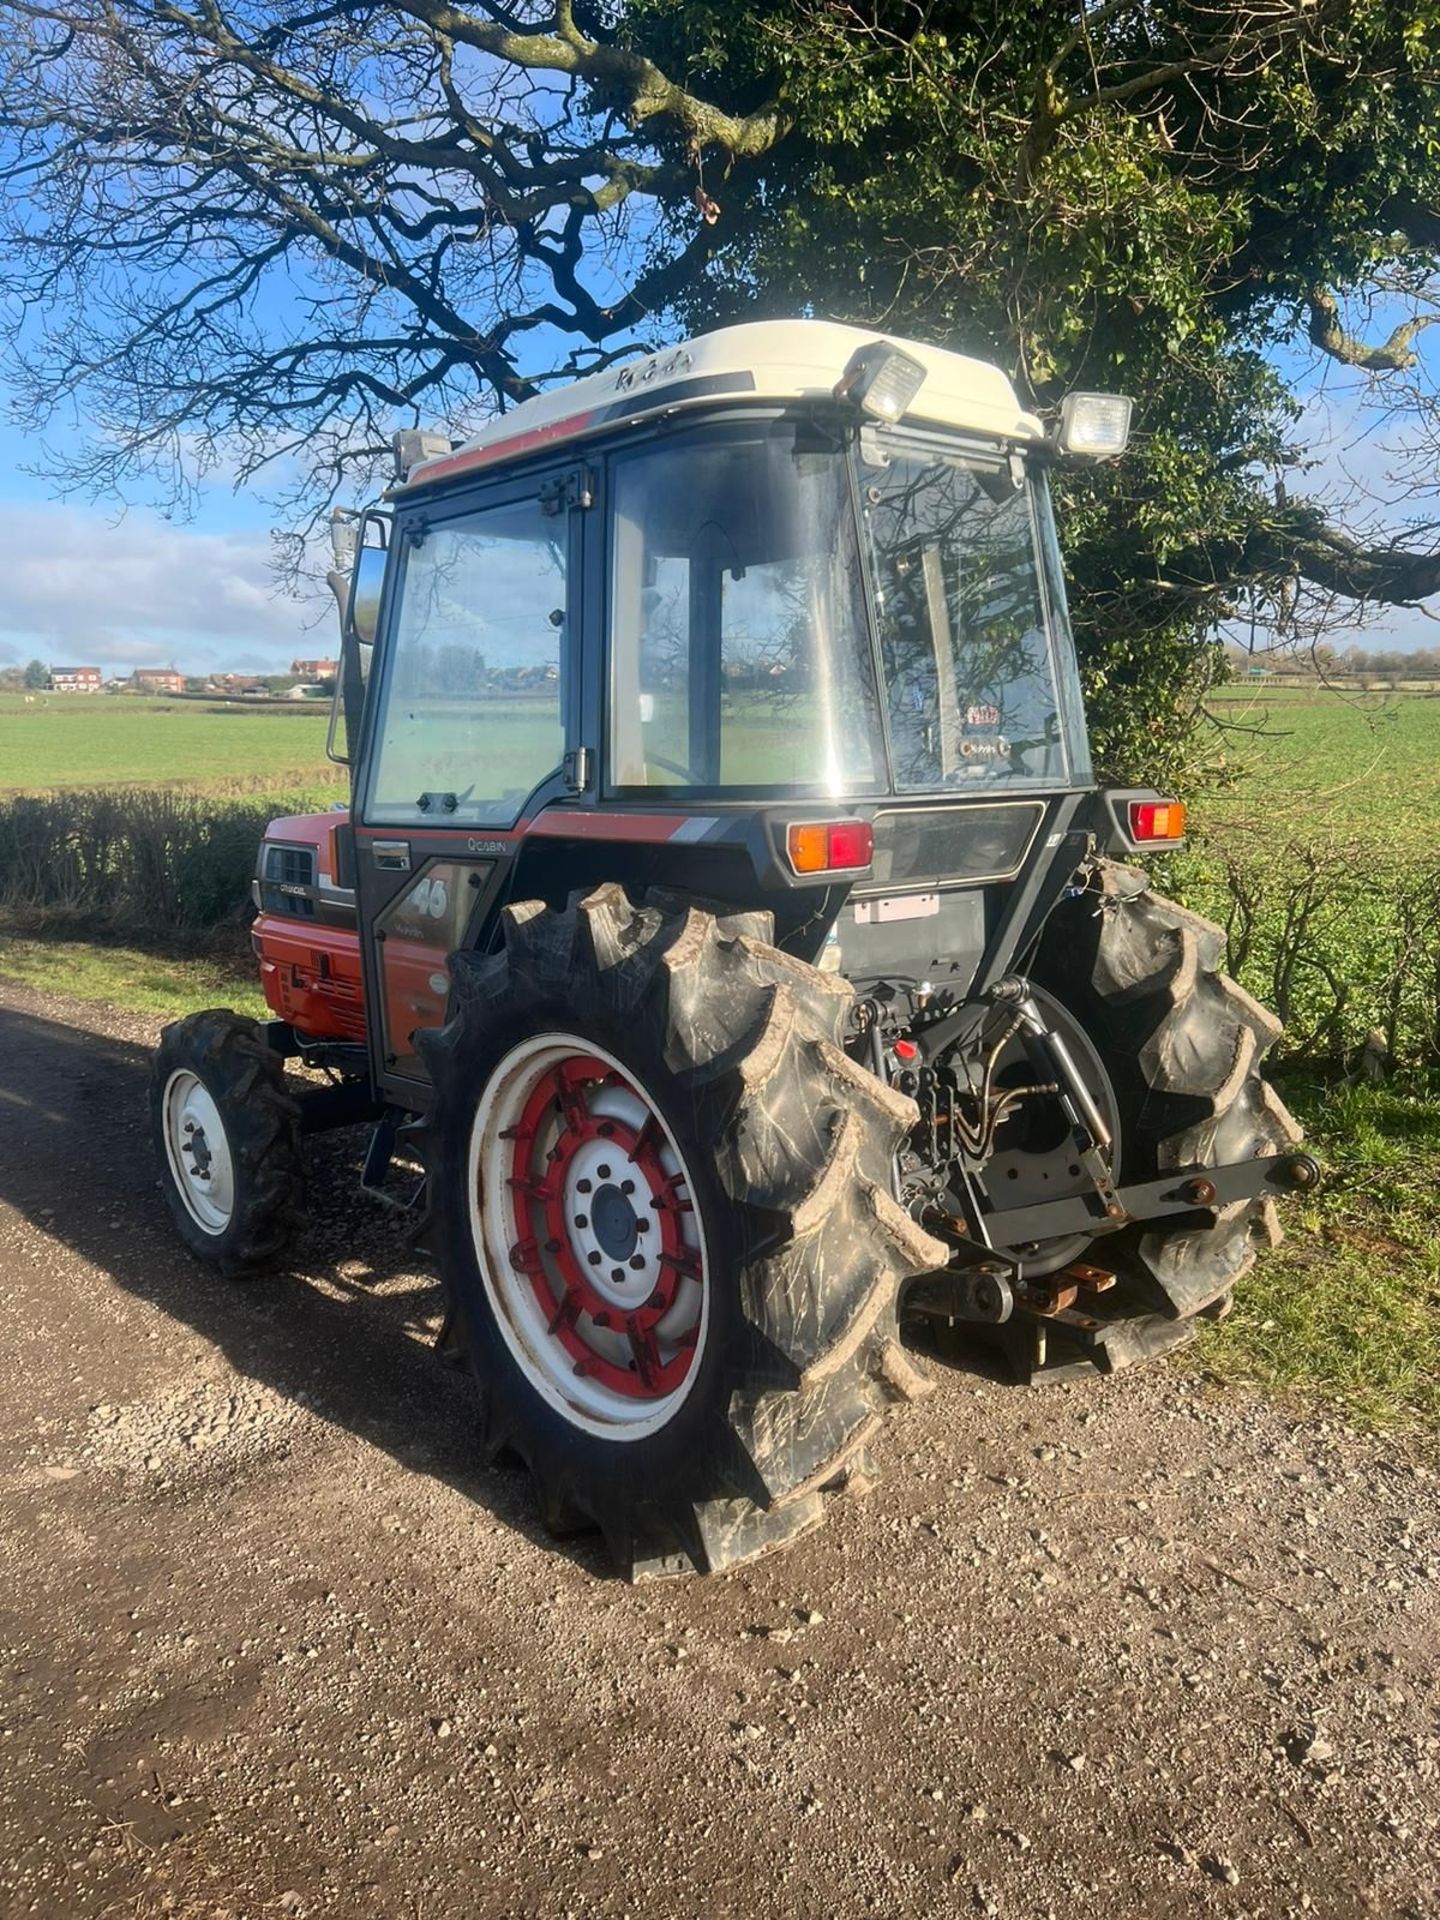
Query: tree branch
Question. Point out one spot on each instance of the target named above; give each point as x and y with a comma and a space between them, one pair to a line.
1395, 355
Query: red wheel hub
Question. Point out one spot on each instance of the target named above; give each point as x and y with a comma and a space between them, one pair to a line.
598, 1206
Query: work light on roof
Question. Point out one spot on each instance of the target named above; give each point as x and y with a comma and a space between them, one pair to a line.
1094, 424
411, 445
881, 380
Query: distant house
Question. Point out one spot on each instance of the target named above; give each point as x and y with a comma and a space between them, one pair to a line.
74, 680
248, 683
315, 669
157, 680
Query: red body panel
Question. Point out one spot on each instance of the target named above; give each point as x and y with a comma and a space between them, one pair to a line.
316, 830
311, 976
310, 970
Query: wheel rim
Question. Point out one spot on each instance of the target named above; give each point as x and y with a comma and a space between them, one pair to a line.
198, 1151
584, 1224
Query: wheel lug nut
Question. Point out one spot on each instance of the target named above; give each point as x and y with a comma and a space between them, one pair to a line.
604, 1173
637, 1261
642, 1226
582, 1186
627, 1186
594, 1256
617, 1274
582, 1220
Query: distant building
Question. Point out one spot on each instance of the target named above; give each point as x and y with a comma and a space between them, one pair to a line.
315, 669
74, 680
251, 683
157, 680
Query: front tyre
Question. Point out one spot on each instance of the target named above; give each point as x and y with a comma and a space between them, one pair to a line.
226, 1134
660, 1204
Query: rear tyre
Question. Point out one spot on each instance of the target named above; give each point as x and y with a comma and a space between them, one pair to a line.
1182, 1043
227, 1138
660, 1205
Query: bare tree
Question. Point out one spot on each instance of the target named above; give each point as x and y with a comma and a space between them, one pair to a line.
263, 235
266, 234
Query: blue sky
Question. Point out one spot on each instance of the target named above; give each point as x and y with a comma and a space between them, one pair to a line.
116, 587
98, 584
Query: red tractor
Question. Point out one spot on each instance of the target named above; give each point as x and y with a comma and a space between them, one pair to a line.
728, 919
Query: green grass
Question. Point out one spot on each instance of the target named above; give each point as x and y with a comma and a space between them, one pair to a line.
1346, 1313
125, 977
109, 740
1361, 766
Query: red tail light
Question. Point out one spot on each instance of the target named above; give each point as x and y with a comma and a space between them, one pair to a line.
1157, 820
829, 846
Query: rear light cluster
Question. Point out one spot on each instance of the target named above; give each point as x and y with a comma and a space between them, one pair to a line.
1157, 820
829, 846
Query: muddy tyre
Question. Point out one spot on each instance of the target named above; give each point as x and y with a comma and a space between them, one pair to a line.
1182, 1043
659, 1200
226, 1134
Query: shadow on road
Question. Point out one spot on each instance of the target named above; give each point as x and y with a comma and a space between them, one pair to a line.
344, 1332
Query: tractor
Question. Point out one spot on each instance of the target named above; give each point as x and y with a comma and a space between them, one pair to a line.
729, 936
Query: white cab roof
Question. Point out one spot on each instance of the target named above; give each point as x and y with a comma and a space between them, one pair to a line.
765, 360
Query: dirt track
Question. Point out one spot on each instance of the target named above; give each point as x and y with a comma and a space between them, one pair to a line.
273, 1645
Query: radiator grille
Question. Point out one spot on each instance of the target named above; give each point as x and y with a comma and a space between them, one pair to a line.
288, 882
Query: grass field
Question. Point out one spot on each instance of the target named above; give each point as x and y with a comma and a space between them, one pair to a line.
1346, 1312
1353, 765
92, 740
126, 977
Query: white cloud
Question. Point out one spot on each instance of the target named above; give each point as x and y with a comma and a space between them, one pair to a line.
140, 591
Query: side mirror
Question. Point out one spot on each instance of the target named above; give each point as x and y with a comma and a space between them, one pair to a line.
362, 614
365, 545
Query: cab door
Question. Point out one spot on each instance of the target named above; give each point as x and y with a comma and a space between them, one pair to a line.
467, 734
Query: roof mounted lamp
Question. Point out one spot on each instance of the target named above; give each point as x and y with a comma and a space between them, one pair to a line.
411, 445
1094, 425
881, 381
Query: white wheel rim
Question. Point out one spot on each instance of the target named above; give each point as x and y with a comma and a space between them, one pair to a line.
606, 1317
198, 1151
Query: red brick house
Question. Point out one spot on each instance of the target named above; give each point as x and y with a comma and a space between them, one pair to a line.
157, 680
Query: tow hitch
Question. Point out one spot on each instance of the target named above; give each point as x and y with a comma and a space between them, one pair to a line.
983, 1287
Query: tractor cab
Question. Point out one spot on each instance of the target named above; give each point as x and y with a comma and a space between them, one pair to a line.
785, 603
728, 921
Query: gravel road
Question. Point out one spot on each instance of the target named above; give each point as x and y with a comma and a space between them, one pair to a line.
274, 1645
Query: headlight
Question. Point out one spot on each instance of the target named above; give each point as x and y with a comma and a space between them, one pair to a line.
1094, 424
881, 380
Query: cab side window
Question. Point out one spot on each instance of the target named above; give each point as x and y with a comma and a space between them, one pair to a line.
471, 718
